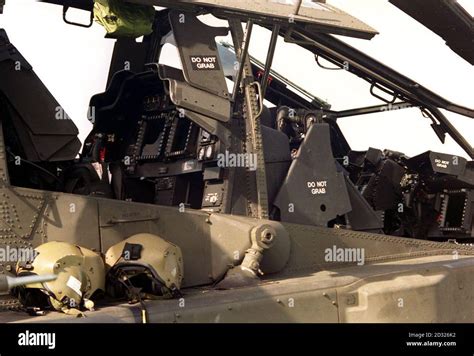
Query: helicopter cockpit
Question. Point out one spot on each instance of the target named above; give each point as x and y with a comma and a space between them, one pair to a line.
222, 132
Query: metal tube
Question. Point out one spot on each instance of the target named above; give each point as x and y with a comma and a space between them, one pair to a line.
298, 7
370, 110
418, 97
243, 54
270, 57
7, 283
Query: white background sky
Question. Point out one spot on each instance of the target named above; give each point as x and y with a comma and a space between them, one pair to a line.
73, 63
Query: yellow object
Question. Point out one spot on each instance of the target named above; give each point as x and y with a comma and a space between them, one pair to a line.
80, 273
163, 259
121, 19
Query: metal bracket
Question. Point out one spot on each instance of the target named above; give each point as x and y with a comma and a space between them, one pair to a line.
378, 86
316, 56
435, 125
66, 8
260, 98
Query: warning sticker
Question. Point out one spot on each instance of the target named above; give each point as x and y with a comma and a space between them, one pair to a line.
205, 63
75, 285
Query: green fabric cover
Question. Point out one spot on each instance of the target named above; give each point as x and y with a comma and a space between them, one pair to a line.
122, 19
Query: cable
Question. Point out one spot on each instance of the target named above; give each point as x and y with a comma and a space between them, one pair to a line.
132, 293
35, 166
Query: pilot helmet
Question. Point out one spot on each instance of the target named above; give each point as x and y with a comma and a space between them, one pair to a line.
144, 264
80, 275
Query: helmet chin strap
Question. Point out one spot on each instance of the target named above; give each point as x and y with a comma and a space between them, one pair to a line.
133, 294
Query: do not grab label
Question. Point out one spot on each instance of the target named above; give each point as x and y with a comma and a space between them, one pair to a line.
205, 63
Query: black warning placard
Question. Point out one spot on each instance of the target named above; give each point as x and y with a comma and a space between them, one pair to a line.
205, 63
